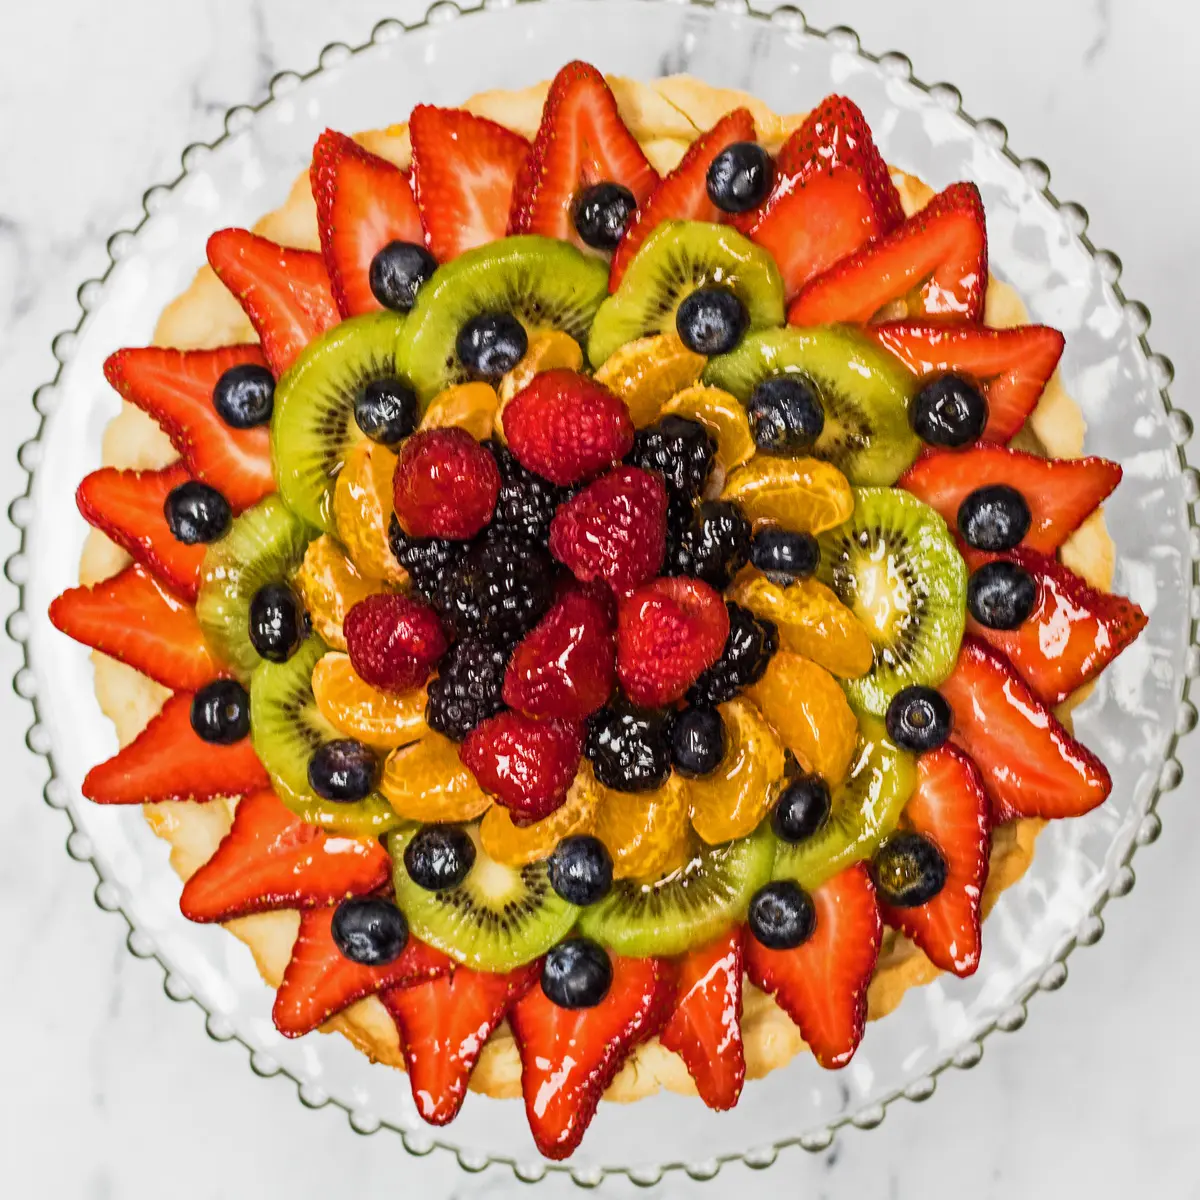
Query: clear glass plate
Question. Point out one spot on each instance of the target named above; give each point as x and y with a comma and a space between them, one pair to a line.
1133, 719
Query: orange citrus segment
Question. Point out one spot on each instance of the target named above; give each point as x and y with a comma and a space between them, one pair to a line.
427, 782
360, 711
803, 495
645, 832
362, 508
516, 845
470, 406
546, 352
723, 415
648, 372
331, 585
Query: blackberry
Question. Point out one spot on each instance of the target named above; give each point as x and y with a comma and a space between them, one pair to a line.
751, 643
681, 514
714, 546
527, 502
630, 747
680, 450
425, 559
467, 688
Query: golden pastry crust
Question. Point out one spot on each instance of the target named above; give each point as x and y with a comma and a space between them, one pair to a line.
665, 117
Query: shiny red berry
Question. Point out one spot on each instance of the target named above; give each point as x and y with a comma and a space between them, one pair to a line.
445, 485
394, 642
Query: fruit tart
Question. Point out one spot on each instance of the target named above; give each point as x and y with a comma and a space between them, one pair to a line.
592, 591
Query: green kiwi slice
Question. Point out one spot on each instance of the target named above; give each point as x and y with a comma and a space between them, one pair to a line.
313, 425
675, 260
865, 393
497, 919
894, 564
545, 284
688, 908
265, 544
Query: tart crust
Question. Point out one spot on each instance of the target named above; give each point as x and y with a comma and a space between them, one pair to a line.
665, 116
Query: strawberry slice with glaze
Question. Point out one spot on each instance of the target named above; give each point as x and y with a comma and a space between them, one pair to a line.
271, 859
822, 985
363, 202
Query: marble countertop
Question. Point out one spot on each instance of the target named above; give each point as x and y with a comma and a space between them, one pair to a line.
113, 1093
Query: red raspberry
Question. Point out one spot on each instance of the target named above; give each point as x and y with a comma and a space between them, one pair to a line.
394, 642
615, 529
564, 667
567, 427
527, 764
445, 485
667, 633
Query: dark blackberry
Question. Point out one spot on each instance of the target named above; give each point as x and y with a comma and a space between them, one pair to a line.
467, 688
748, 649
714, 546
680, 450
527, 502
630, 747
681, 513
425, 559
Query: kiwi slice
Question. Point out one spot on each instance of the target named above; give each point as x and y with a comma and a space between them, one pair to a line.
894, 564
313, 426
688, 908
265, 544
497, 919
865, 393
675, 260
545, 284
866, 808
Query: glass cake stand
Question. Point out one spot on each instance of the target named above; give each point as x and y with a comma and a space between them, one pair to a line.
1133, 719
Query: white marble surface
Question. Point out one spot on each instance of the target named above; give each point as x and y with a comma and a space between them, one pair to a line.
111, 1092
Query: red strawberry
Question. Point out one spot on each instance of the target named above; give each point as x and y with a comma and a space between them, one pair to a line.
271, 859
822, 985
394, 641
566, 427
1031, 766
445, 485
527, 764
1060, 492
128, 507
668, 632
285, 293
939, 252
950, 807
444, 1024
1011, 366
614, 530
569, 1056
132, 618
363, 202
176, 388
320, 981
705, 1029
581, 140
168, 761
464, 168
683, 194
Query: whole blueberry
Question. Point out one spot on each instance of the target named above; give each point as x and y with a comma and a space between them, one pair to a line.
740, 177
278, 622
601, 214
1001, 595
577, 973
995, 517
783, 556
387, 411
711, 320
196, 513
369, 930
244, 396
343, 770
581, 869
398, 272
802, 808
908, 869
782, 915
949, 411
221, 712
697, 741
439, 857
786, 414
919, 718
491, 344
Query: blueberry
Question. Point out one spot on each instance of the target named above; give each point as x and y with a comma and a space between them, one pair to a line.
782, 915
949, 411
783, 557
581, 870
369, 930
343, 770
629, 747
244, 396
740, 177
387, 411
919, 718
908, 870
491, 344
577, 973
1001, 595
601, 213
994, 518
786, 415
196, 513
221, 712
278, 622
802, 808
397, 273
439, 857
697, 741
711, 320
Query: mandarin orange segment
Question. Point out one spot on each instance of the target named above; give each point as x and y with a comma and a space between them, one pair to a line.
427, 782
331, 585
648, 372
547, 351
360, 711
469, 406
362, 508
516, 845
804, 495
723, 415
646, 833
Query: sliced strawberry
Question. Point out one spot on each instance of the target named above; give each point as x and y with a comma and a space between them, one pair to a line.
271, 859
286, 293
464, 168
951, 808
1012, 366
175, 387
569, 1056
938, 256
1031, 766
822, 985
705, 1029
320, 981
582, 140
132, 618
683, 194
1060, 492
167, 761
444, 1024
363, 202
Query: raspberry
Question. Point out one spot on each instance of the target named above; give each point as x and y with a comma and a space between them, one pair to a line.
445, 485
667, 633
748, 650
680, 450
425, 559
615, 529
394, 642
467, 688
630, 747
567, 427
713, 546
527, 502
527, 764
